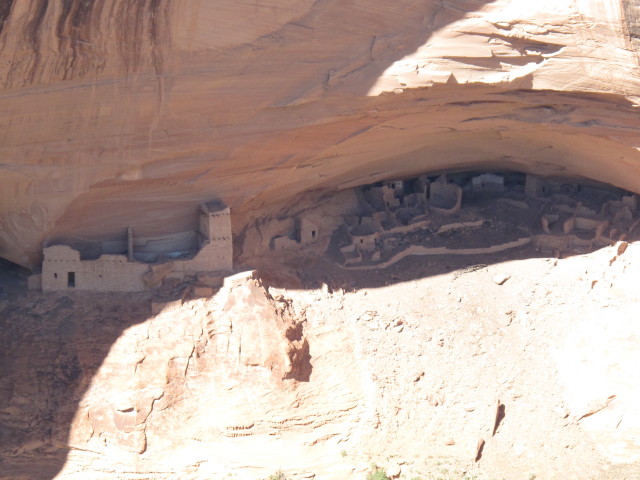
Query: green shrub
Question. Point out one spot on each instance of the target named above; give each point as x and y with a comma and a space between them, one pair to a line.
378, 474
279, 475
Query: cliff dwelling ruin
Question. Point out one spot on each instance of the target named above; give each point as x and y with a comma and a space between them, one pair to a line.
466, 213
64, 269
441, 214
319, 240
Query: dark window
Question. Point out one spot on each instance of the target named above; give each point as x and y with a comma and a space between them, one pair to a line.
313, 234
71, 279
55, 275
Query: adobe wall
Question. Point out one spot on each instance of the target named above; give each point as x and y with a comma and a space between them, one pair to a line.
216, 247
420, 250
445, 194
460, 225
418, 200
220, 225
63, 270
408, 228
213, 256
389, 197
308, 231
365, 243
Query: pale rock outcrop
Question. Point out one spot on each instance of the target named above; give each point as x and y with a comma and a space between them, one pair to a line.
412, 373
230, 373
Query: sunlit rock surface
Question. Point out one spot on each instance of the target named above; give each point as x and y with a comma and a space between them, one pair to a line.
410, 373
118, 113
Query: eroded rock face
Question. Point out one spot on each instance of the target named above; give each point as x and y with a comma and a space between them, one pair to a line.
118, 113
413, 372
241, 341
236, 365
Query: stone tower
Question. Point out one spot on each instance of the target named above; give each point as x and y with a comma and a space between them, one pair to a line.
216, 246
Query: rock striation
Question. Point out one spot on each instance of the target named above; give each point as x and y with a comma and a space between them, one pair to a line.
118, 113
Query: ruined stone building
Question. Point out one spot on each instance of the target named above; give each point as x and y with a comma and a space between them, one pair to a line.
216, 246
308, 231
63, 267
304, 232
398, 218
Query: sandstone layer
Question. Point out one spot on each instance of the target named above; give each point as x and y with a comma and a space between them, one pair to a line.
121, 114
535, 357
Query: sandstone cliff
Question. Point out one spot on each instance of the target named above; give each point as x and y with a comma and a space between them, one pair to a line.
121, 113
409, 373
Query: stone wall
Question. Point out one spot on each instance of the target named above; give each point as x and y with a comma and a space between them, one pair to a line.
308, 231
63, 269
213, 256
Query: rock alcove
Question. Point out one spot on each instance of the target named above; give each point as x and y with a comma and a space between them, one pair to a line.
445, 213
123, 113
